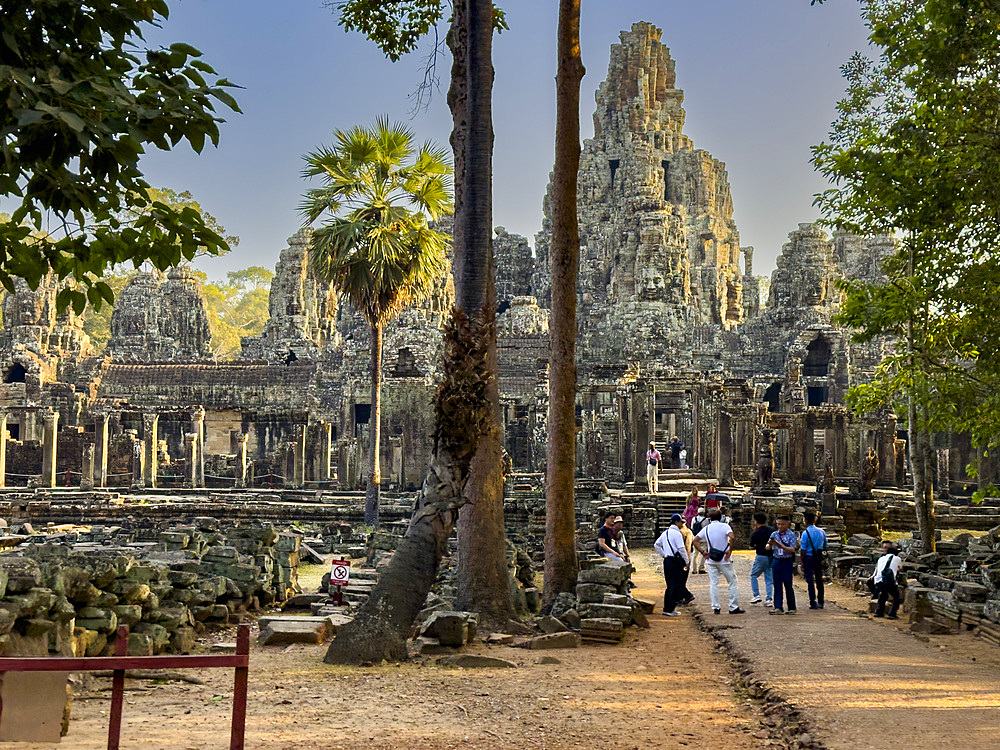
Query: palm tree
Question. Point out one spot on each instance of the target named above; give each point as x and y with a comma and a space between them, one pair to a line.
375, 246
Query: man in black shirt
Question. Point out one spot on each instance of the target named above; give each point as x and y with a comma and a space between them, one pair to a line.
606, 538
762, 561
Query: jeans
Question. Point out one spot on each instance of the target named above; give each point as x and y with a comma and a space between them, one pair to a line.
726, 570
888, 587
812, 569
783, 567
762, 564
674, 575
652, 477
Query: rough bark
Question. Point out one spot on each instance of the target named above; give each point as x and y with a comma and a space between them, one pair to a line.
560, 521
374, 432
463, 411
919, 446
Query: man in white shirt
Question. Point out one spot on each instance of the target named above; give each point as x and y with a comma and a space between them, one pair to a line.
885, 582
715, 540
670, 546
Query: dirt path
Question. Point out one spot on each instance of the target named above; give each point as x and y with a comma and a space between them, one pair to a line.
666, 687
865, 683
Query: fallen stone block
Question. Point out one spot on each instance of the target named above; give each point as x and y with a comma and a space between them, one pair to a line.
475, 661
606, 574
548, 624
516, 627
554, 640
280, 631
451, 628
590, 611
593, 593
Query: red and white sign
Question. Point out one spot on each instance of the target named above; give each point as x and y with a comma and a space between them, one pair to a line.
340, 573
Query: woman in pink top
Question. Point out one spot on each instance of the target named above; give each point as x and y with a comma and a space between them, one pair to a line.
694, 503
652, 468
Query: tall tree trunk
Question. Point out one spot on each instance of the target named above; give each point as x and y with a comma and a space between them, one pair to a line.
463, 411
374, 432
560, 519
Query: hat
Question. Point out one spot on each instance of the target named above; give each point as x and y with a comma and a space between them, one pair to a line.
619, 519
652, 444
675, 518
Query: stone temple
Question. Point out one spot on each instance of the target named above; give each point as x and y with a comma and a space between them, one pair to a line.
676, 336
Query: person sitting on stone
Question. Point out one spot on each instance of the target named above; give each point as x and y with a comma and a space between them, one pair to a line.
620, 545
606, 539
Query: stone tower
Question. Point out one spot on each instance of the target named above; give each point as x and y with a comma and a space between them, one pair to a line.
660, 252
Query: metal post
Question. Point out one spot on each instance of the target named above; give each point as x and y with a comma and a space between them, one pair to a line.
240, 691
117, 690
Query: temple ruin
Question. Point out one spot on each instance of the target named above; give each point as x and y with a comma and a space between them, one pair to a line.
677, 336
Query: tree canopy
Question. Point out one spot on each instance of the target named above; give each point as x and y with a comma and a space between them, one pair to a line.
915, 152
84, 98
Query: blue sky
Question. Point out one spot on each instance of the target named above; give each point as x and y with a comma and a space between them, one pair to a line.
761, 78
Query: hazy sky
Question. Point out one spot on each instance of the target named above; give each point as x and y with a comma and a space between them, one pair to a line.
761, 78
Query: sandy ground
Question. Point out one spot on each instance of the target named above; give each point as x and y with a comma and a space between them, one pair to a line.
866, 683
666, 687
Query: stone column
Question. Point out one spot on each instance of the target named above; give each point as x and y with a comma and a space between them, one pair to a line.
724, 449
325, 446
101, 450
150, 439
190, 460
50, 437
198, 430
299, 456
943, 473
3, 449
241, 461
87, 468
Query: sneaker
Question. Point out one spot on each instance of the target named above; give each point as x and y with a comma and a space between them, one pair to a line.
716, 611
878, 614
821, 605
892, 617
672, 614
688, 600
792, 611
737, 611
777, 611
813, 606
755, 600
768, 603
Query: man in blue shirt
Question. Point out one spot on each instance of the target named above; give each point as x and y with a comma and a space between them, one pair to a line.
813, 545
783, 543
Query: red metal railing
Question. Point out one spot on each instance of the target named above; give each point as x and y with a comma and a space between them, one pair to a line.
239, 661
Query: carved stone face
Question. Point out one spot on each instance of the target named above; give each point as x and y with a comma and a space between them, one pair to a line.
652, 286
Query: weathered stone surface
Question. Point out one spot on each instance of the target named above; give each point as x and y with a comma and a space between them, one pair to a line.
555, 640
475, 661
281, 630
549, 624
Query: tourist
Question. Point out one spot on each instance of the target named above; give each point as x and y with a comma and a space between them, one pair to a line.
674, 448
715, 541
714, 498
670, 546
692, 507
653, 469
885, 579
870, 582
684, 458
606, 539
700, 521
762, 561
783, 543
688, 544
620, 545
813, 544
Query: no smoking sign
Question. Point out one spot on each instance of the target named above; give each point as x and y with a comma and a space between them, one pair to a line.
340, 573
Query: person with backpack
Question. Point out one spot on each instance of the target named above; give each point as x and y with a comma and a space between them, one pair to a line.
715, 541
885, 579
670, 546
783, 544
813, 545
762, 560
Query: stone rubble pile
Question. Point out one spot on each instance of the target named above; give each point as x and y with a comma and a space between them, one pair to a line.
956, 587
69, 599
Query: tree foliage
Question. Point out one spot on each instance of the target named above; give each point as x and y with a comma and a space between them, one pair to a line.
915, 152
84, 97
